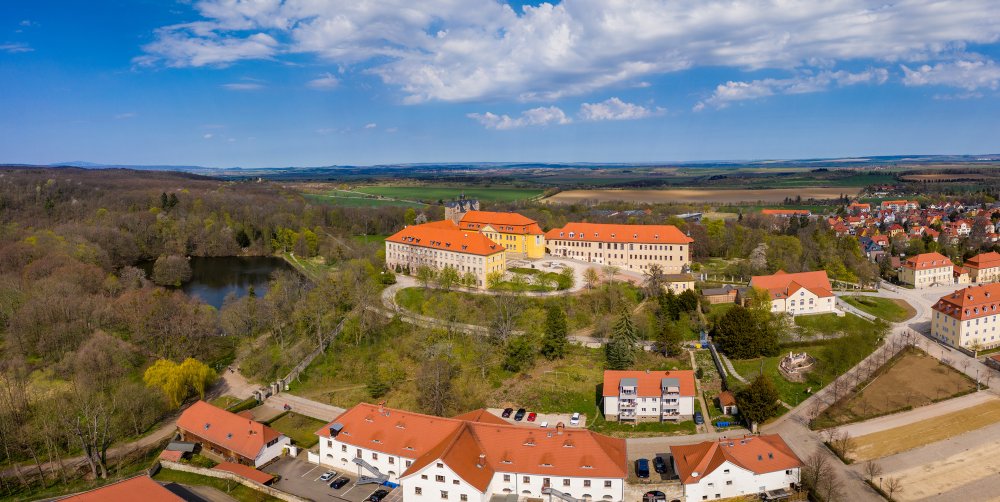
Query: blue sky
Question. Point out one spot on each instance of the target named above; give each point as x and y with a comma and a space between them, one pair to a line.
306, 82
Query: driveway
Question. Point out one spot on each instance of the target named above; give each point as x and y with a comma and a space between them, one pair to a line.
301, 478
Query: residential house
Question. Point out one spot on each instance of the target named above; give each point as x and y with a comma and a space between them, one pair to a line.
441, 244
472, 457
648, 396
927, 269
858, 208
725, 294
629, 247
984, 267
233, 437
968, 317
141, 488
798, 293
727, 403
520, 236
737, 467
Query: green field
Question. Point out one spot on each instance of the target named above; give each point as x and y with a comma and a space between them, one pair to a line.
891, 310
301, 429
432, 194
356, 201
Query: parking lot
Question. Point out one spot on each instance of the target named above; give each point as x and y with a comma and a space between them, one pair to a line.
551, 418
301, 478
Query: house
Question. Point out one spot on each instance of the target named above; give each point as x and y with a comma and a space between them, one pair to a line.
927, 269
725, 294
648, 396
441, 244
678, 283
520, 236
858, 207
799, 293
968, 317
230, 436
629, 247
455, 209
140, 487
472, 457
984, 267
727, 468
727, 403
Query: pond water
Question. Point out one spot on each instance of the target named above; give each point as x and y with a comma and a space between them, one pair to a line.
213, 278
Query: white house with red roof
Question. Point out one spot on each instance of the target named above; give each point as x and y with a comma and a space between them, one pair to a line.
441, 244
233, 437
984, 267
630, 247
473, 456
798, 293
648, 396
926, 270
968, 317
735, 467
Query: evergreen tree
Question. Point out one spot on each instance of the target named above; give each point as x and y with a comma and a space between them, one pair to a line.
520, 354
668, 305
670, 339
758, 401
554, 342
620, 351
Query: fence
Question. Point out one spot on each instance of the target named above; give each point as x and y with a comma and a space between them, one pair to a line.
212, 473
719, 366
303, 364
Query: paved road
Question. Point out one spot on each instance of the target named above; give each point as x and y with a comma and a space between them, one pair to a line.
916, 415
648, 447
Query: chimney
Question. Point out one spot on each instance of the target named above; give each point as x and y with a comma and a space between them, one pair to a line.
559, 428
482, 460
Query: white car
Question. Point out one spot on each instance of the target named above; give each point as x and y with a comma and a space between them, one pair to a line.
327, 476
575, 419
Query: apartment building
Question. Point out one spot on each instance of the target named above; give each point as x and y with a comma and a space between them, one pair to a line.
984, 267
520, 236
799, 293
473, 457
235, 438
443, 244
737, 467
648, 396
968, 317
927, 269
629, 247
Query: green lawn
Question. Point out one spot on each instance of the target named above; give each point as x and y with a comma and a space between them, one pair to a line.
224, 402
314, 268
644, 429
791, 392
890, 309
432, 194
300, 428
232, 488
357, 201
830, 324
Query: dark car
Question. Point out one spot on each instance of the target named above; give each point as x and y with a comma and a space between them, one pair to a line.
520, 414
506, 412
659, 465
532, 416
698, 419
339, 483
378, 495
642, 468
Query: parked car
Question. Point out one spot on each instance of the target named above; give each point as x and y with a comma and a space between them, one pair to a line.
339, 483
532, 416
575, 419
506, 412
698, 418
327, 476
642, 468
543, 425
378, 495
659, 465
520, 414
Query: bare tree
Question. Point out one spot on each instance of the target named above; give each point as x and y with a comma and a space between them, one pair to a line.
893, 486
89, 420
590, 277
872, 470
819, 477
435, 381
844, 444
507, 309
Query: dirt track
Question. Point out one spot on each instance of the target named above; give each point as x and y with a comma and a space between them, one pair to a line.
769, 195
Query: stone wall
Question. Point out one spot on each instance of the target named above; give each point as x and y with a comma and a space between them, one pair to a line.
212, 473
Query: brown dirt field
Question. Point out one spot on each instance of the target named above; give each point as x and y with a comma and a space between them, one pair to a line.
945, 177
687, 196
915, 379
924, 432
934, 478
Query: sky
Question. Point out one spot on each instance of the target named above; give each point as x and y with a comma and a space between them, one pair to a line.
275, 83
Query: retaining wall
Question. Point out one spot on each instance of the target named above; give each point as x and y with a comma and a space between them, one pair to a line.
212, 473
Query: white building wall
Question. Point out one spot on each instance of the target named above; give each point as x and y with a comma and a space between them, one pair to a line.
738, 481
271, 452
804, 301
956, 333
332, 454
628, 256
436, 481
610, 406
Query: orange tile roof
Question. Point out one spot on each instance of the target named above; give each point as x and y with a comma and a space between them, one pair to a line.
172, 455
245, 471
785, 212
445, 235
971, 302
511, 223
460, 444
782, 284
758, 454
607, 232
984, 260
141, 487
228, 430
726, 398
649, 381
925, 261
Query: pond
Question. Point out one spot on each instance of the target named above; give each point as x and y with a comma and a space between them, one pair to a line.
212, 278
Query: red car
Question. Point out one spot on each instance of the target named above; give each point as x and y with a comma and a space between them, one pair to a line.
532, 416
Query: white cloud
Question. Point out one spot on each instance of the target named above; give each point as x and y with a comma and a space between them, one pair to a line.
243, 86
731, 92
616, 109
534, 117
15, 48
27, 23
970, 73
126, 115
208, 136
460, 50
324, 82
371, 125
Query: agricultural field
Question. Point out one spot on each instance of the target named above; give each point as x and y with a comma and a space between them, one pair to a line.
432, 193
354, 200
694, 196
909, 380
890, 309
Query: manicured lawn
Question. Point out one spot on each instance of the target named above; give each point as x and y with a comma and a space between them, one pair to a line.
232, 488
300, 428
791, 392
432, 194
224, 402
832, 324
890, 309
643, 429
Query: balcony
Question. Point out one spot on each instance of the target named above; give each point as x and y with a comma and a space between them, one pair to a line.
627, 404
